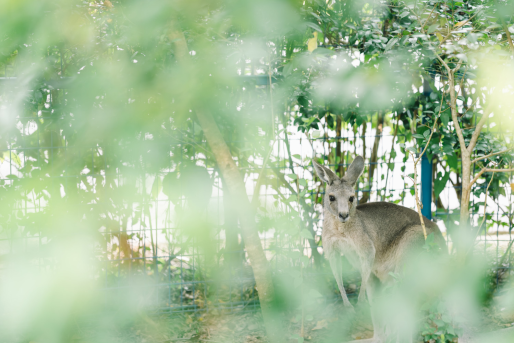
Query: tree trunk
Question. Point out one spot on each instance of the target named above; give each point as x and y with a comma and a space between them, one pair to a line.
465, 157
237, 190
236, 187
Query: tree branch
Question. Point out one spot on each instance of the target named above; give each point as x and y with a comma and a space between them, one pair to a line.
453, 107
429, 16
490, 155
492, 170
489, 170
476, 133
456, 69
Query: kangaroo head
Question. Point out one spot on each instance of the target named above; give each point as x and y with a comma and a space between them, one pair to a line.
340, 197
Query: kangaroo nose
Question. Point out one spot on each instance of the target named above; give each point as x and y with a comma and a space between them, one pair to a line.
343, 216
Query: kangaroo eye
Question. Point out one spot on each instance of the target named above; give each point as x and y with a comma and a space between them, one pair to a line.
351, 199
332, 198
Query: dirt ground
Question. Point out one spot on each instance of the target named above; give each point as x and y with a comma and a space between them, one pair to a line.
326, 325
329, 324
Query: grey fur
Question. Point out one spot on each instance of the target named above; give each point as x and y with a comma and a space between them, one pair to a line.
375, 237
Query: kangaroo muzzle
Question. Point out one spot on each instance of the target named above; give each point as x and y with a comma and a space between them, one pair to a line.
343, 216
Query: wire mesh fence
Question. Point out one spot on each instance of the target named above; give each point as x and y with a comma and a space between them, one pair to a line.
142, 208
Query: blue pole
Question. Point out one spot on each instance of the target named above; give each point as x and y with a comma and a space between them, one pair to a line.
426, 186
426, 171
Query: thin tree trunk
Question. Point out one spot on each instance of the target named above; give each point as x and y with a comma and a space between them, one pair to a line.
466, 156
374, 156
236, 187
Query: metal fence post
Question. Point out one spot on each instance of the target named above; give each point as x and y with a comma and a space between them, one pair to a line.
426, 186
426, 170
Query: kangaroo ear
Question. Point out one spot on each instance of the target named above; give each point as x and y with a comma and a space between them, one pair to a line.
354, 171
325, 174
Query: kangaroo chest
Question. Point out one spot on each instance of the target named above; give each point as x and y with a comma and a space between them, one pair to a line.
342, 240
355, 244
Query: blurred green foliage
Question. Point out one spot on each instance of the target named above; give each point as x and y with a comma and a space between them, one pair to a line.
97, 125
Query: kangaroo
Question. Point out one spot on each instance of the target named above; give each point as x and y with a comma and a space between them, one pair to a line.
375, 237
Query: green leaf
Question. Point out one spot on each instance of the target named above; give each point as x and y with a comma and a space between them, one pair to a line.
445, 118
404, 14
439, 184
314, 26
452, 161
323, 51
432, 28
439, 322
15, 158
316, 16
315, 134
472, 38
417, 135
391, 43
